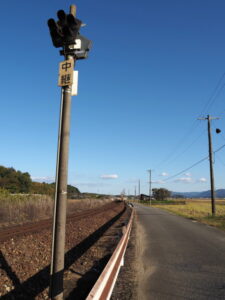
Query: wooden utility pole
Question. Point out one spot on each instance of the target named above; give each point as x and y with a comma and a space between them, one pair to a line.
208, 118
150, 186
139, 187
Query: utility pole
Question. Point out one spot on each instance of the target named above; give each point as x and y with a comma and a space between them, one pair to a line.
65, 34
208, 118
150, 186
139, 187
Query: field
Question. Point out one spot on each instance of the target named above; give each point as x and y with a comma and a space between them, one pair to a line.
199, 210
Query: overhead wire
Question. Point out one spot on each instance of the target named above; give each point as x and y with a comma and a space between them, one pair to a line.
220, 134
192, 166
187, 169
188, 147
210, 102
219, 148
216, 91
180, 142
219, 158
221, 113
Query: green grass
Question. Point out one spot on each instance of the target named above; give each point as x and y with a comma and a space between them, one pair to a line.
199, 211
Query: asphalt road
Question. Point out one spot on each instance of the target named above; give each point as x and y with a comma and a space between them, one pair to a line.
179, 258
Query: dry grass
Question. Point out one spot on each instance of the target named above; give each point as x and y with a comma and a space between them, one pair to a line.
20, 208
200, 211
81, 204
16, 209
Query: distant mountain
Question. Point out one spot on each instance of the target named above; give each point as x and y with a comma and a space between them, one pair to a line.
205, 194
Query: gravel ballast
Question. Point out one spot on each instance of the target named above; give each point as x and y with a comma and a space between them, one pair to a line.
25, 260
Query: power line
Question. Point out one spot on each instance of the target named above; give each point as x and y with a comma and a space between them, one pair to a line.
178, 145
219, 148
216, 92
192, 166
222, 113
217, 95
220, 134
220, 159
188, 147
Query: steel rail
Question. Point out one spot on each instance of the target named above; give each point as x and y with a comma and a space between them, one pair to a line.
17, 230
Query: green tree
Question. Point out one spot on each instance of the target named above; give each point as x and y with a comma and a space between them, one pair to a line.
17, 182
161, 194
72, 191
14, 181
49, 189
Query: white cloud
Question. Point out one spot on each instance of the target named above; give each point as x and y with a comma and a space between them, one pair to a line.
91, 184
202, 179
46, 179
187, 174
109, 176
164, 174
158, 181
184, 179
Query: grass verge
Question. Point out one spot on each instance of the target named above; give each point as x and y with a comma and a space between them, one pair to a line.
199, 211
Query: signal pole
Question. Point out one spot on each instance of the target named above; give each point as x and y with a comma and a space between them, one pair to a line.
59, 219
65, 34
208, 118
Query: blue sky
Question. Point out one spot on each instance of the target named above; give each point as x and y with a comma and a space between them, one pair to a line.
151, 73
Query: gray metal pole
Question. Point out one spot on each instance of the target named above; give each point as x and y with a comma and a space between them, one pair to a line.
59, 219
211, 168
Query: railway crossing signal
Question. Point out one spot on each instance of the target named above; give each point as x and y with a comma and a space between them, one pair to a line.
85, 46
64, 33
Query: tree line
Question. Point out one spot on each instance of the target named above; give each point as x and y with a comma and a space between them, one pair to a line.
161, 194
17, 182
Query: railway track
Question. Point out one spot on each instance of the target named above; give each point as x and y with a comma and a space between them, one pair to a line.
91, 237
28, 228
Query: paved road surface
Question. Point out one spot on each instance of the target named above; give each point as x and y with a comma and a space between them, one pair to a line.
181, 259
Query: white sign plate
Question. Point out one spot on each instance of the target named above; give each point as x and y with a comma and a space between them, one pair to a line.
75, 83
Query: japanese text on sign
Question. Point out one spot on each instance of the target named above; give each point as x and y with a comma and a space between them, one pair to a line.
66, 72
